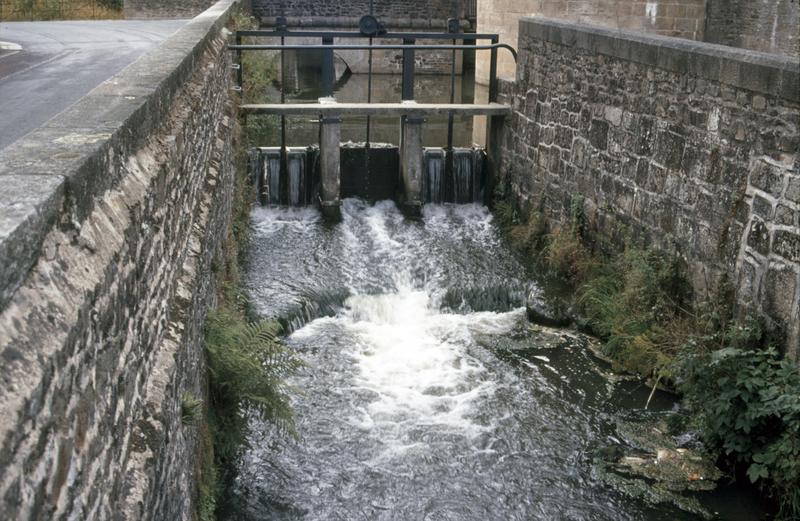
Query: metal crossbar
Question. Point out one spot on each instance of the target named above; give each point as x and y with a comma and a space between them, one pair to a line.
377, 109
365, 47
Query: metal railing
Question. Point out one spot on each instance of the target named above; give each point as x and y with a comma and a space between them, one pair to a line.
409, 46
29, 10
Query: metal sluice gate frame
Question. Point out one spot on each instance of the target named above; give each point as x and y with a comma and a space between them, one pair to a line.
371, 29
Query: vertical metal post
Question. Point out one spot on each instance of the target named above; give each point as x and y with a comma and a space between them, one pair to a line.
449, 171
284, 174
493, 73
408, 70
327, 68
452, 99
239, 61
369, 83
493, 126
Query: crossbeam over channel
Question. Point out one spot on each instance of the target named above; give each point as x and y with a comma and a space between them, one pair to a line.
378, 109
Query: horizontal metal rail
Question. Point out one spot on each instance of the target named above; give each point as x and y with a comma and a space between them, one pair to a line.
354, 34
366, 47
378, 109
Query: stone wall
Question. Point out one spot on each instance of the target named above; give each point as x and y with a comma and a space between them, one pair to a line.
683, 146
396, 13
682, 18
112, 214
137, 9
772, 26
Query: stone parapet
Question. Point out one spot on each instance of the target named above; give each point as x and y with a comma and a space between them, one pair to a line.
112, 216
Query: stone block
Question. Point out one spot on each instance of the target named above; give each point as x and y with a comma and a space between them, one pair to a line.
767, 177
792, 187
787, 244
598, 134
762, 207
656, 179
669, 149
780, 290
786, 216
613, 115
758, 236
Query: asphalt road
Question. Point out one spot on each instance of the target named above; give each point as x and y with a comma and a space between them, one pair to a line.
62, 61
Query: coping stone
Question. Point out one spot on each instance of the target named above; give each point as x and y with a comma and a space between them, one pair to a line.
765, 73
64, 163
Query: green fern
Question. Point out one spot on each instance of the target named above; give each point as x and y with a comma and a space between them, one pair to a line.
248, 367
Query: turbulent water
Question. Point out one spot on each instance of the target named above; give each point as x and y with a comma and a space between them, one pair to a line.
426, 393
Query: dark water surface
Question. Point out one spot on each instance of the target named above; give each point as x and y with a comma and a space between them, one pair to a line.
426, 395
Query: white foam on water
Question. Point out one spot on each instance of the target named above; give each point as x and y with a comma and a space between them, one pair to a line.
415, 360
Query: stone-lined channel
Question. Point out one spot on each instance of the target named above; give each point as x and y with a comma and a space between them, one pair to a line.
427, 394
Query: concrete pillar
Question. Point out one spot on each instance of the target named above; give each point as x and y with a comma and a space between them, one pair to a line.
411, 163
329, 142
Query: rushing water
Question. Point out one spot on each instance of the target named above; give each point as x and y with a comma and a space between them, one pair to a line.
426, 393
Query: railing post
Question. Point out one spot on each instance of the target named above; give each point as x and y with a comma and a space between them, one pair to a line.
408, 71
284, 175
327, 69
239, 61
493, 73
493, 128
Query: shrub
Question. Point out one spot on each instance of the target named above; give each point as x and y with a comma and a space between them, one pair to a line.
506, 215
566, 255
749, 403
638, 302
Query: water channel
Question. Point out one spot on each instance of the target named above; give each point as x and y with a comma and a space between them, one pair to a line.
426, 394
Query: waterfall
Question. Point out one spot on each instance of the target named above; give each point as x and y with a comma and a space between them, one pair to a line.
269, 176
296, 162
465, 183
266, 169
434, 164
462, 175
467, 175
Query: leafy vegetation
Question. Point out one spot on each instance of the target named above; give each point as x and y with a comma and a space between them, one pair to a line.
247, 368
637, 301
749, 405
191, 407
18, 10
745, 397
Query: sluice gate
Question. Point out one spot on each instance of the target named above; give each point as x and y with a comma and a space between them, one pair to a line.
369, 173
328, 171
